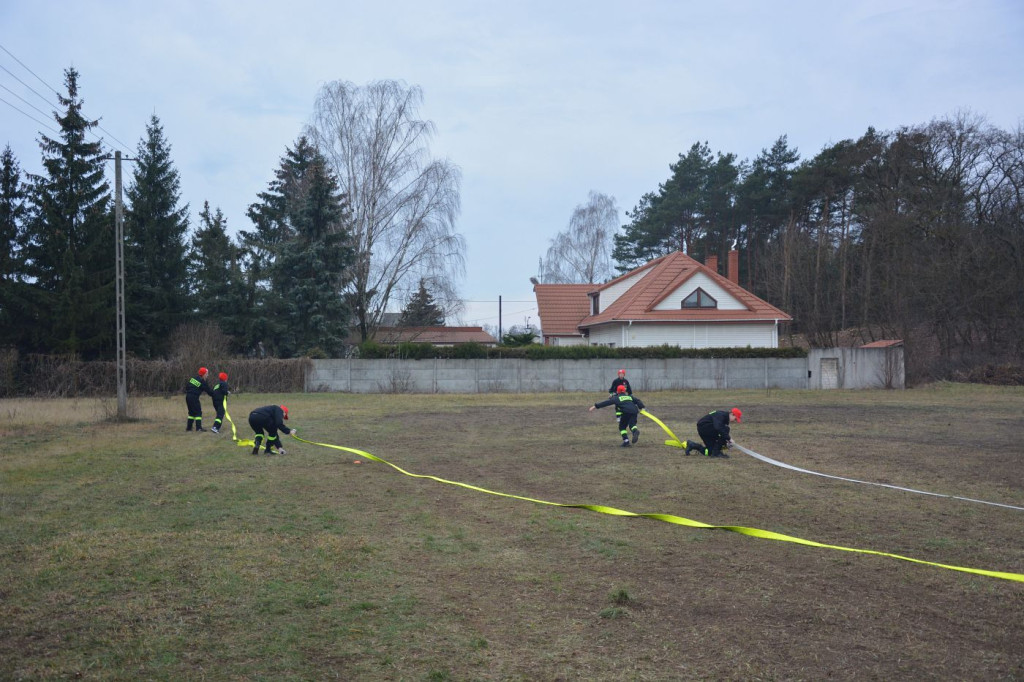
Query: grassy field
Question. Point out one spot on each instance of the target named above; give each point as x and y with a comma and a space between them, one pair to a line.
139, 551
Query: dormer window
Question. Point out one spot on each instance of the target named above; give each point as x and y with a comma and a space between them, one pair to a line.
699, 299
595, 303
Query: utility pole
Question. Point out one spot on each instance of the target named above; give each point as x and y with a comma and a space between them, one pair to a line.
499, 319
122, 370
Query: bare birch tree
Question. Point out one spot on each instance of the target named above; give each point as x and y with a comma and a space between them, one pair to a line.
583, 253
404, 203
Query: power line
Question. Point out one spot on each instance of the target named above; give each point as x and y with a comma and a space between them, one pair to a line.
29, 116
33, 90
44, 113
45, 99
31, 72
495, 317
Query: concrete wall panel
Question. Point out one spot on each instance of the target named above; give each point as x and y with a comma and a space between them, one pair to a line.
858, 368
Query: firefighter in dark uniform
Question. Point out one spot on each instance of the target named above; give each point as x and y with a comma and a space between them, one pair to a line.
714, 431
221, 390
269, 419
629, 407
195, 387
620, 380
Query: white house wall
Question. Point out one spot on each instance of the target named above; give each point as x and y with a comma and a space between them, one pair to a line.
725, 301
755, 335
606, 335
612, 293
568, 341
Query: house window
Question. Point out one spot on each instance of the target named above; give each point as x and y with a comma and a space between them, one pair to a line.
595, 304
699, 299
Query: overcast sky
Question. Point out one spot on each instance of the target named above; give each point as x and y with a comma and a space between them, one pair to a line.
538, 103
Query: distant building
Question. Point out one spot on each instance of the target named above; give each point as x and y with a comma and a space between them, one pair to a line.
439, 336
671, 300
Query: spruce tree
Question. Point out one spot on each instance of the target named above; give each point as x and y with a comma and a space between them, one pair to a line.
156, 288
70, 245
421, 311
218, 284
14, 303
303, 254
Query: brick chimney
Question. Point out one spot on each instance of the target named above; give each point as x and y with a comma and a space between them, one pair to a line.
732, 271
711, 262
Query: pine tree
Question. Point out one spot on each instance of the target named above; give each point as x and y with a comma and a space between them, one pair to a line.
157, 296
421, 311
673, 219
303, 251
71, 240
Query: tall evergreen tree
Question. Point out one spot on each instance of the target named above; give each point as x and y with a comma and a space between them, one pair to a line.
765, 207
156, 289
220, 290
302, 245
721, 221
71, 239
695, 203
14, 305
421, 311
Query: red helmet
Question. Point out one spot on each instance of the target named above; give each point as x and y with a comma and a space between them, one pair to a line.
223, 376
622, 372
203, 371
620, 388
736, 413
285, 410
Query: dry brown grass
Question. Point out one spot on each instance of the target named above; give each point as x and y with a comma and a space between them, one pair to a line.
139, 551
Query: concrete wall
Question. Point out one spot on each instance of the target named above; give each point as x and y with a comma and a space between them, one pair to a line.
860, 368
856, 368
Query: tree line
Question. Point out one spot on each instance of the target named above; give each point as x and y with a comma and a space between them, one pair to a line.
356, 216
914, 234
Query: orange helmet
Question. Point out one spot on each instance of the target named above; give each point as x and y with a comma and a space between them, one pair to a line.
223, 376
203, 371
285, 410
736, 413
621, 388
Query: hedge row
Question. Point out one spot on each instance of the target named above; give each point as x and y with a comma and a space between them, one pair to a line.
53, 376
56, 376
426, 351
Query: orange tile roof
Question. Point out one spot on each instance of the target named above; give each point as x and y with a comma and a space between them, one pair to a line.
568, 305
435, 335
666, 274
562, 306
885, 343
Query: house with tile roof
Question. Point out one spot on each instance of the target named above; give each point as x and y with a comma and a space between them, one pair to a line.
673, 300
